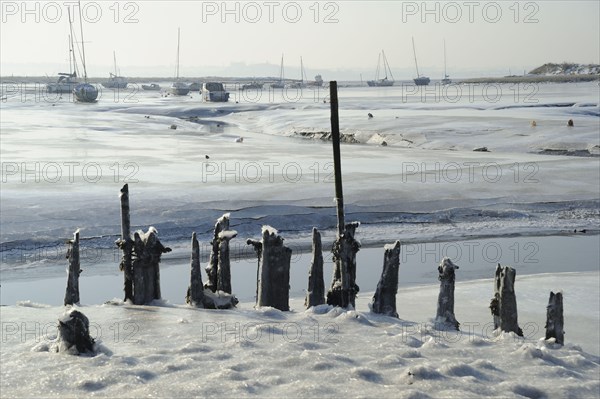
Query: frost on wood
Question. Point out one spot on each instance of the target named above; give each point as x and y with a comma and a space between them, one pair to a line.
74, 333
141, 258
72, 292
554, 318
445, 309
273, 284
384, 300
219, 266
343, 287
147, 251
315, 295
195, 293
125, 243
201, 297
504, 303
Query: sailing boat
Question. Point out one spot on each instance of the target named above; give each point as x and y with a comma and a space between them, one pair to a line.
384, 82
419, 80
179, 88
446, 80
115, 81
280, 84
66, 81
84, 92
302, 83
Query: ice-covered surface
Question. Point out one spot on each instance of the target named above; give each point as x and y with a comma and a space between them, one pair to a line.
176, 351
64, 163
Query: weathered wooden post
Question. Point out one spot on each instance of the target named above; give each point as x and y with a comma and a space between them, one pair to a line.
504, 303
72, 293
315, 295
224, 267
147, 250
219, 266
445, 309
274, 270
554, 318
343, 287
213, 263
74, 331
384, 300
126, 244
195, 294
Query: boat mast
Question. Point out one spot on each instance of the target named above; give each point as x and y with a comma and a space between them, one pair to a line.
445, 74
281, 70
178, 32
70, 58
387, 66
115, 60
72, 46
378, 67
82, 43
415, 53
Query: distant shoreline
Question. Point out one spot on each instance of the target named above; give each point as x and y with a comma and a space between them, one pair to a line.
482, 80
534, 79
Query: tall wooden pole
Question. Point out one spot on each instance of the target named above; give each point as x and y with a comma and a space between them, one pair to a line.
337, 163
126, 243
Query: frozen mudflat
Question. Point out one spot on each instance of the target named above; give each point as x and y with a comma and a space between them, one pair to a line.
176, 351
534, 195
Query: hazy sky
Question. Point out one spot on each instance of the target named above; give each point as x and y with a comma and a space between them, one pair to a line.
340, 39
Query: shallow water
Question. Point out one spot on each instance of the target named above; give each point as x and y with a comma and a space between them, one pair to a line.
477, 259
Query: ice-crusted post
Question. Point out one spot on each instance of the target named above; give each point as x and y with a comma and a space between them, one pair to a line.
126, 244
337, 158
445, 309
195, 294
384, 300
274, 270
147, 250
504, 303
219, 265
74, 333
554, 318
224, 268
72, 293
343, 287
315, 295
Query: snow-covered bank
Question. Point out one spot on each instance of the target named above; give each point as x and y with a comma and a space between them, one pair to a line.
176, 351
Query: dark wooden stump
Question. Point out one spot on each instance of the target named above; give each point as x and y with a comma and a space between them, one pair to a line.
274, 270
445, 310
125, 244
147, 251
195, 294
504, 303
219, 265
315, 295
384, 300
224, 264
72, 292
74, 331
213, 263
343, 287
554, 318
